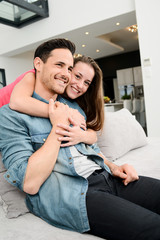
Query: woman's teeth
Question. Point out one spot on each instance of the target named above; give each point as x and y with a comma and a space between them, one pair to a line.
75, 90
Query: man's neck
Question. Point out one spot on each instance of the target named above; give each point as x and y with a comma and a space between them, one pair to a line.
44, 92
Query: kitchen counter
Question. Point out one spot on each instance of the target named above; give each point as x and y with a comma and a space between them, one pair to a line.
113, 107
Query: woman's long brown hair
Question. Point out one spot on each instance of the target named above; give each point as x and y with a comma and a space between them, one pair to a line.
92, 102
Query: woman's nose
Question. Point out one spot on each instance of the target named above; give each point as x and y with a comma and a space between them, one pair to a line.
80, 84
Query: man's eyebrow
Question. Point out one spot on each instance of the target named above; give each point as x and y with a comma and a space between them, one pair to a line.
63, 63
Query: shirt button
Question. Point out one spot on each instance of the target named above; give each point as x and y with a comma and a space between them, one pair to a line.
14, 181
44, 139
82, 193
70, 158
8, 176
70, 163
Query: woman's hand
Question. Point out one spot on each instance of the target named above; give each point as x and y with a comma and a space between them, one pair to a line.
71, 135
78, 118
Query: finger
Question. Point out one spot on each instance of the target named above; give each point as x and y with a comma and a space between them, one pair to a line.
51, 105
64, 139
83, 127
122, 175
63, 133
64, 126
57, 104
72, 121
66, 144
128, 180
118, 173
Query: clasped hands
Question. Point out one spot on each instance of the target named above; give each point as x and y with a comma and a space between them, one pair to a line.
61, 115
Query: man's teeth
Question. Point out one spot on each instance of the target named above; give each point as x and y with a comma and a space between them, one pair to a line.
61, 81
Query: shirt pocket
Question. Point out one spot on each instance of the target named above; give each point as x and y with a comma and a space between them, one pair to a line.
38, 140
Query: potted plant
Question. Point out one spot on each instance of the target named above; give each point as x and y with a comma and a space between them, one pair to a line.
127, 102
126, 96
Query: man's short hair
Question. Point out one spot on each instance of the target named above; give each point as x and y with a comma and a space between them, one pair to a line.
44, 50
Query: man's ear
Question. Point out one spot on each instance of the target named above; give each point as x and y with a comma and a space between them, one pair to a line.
37, 63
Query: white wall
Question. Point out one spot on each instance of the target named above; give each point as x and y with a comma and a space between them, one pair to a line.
148, 19
15, 66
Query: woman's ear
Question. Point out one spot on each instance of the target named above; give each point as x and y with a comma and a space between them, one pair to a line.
37, 63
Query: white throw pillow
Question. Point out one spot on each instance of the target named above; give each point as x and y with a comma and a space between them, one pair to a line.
121, 133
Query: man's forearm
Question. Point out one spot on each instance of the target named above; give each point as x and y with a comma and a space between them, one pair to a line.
41, 163
107, 162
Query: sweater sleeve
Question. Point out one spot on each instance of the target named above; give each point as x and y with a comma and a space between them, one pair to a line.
5, 92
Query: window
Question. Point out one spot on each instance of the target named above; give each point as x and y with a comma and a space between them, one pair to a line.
18, 13
2, 78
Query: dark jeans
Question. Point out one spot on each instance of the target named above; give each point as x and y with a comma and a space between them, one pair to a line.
118, 212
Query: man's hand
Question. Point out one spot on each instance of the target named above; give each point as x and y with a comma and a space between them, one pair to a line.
58, 113
125, 171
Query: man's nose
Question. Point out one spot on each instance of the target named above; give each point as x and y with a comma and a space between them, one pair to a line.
66, 73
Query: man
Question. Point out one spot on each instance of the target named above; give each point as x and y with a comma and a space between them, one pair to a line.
38, 166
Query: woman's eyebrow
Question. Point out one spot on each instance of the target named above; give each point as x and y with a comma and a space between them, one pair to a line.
82, 76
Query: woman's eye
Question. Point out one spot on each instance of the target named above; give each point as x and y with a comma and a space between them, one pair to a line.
87, 83
77, 76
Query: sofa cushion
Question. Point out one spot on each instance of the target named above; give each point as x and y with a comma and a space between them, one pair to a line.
11, 198
121, 133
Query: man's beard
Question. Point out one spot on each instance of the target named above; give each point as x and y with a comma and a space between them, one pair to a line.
54, 88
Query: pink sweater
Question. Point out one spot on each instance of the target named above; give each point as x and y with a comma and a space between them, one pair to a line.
5, 92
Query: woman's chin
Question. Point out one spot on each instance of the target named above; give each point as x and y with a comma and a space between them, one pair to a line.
72, 97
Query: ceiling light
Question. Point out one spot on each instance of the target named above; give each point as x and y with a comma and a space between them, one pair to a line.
77, 55
83, 45
117, 23
86, 33
133, 28
97, 50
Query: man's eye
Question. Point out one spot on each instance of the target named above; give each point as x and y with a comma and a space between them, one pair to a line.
59, 64
70, 69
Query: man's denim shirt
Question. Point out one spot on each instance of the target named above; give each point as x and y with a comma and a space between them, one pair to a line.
61, 200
